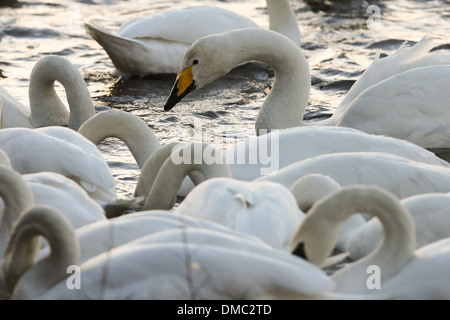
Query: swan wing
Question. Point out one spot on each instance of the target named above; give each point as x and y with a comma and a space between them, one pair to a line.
409, 106
405, 58
184, 25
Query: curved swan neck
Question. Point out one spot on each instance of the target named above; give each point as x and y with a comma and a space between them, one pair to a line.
139, 138
282, 19
399, 232
172, 174
151, 167
285, 105
24, 244
45, 105
17, 197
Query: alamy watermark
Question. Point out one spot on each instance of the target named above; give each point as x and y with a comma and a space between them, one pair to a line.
74, 280
373, 281
263, 151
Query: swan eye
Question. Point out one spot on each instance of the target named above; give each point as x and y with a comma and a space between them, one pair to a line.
195, 61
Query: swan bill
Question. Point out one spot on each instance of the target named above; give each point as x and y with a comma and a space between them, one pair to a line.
183, 85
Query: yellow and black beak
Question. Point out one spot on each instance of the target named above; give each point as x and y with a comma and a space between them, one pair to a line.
183, 85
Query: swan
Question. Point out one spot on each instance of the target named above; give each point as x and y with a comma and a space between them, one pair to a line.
405, 273
311, 141
61, 150
431, 218
403, 105
66, 195
399, 175
157, 43
46, 108
153, 267
263, 209
359, 237
192, 157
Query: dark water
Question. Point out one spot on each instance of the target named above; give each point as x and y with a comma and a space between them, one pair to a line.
336, 40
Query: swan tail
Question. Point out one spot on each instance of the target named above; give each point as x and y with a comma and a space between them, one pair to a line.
123, 52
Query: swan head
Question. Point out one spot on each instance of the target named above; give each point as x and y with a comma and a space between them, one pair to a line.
207, 59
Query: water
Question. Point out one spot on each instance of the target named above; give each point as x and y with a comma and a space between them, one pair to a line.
336, 40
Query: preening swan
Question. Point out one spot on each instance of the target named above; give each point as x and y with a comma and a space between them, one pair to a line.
156, 44
282, 147
263, 209
135, 133
221, 265
64, 194
399, 175
359, 237
409, 105
61, 150
46, 108
404, 273
431, 218
192, 157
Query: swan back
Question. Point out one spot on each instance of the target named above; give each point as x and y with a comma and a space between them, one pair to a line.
405, 58
387, 171
61, 150
265, 210
184, 25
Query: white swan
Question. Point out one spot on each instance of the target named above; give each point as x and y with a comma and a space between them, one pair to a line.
431, 218
184, 158
46, 108
61, 150
308, 141
359, 237
404, 273
156, 44
263, 209
399, 175
403, 105
220, 265
64, 194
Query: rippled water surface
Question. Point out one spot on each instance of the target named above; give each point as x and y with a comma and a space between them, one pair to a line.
336, 40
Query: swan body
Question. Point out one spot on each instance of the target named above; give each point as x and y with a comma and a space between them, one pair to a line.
64, 194
46, 108
61, 150
399, 175
300, 143
403, 105
101, 236
406, 273
157, 43
309, 141
263, 209
153, 267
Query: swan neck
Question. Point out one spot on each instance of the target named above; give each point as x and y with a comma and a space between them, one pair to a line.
138, 137
46, 107
182, 161
24, 277
282, 19
285, 105
399, 233
17, 197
